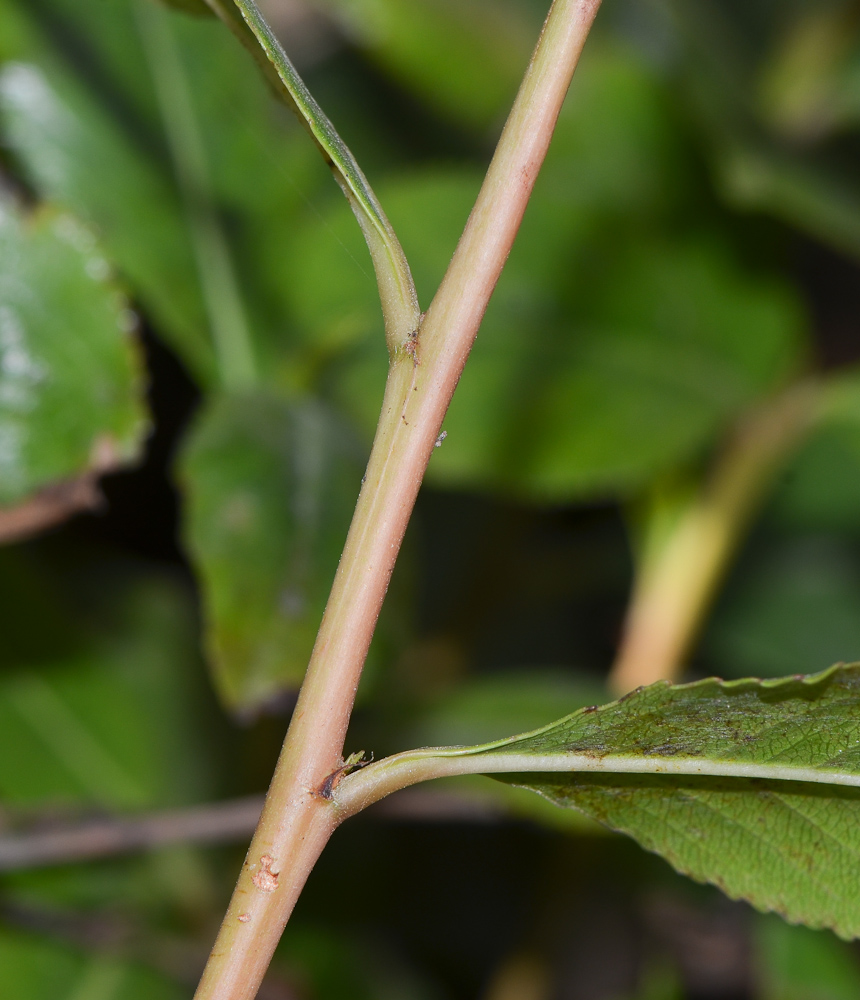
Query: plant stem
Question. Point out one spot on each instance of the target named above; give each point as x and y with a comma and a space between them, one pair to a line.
297, 819
396, 289
680, 573
218, 282
365, 787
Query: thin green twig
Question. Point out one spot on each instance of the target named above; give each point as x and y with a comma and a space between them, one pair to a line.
396, 288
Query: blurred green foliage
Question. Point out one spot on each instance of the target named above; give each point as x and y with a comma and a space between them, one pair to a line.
690, 250
268, 568
70, 385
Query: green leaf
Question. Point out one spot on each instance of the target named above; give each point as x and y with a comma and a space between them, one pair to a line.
669, 343
98, 698
197, 7
752, 785
618, 149
38, 968
673, 341
396, 289
804, 191
70, 383
270, 488
795, 963
794, 608
77, 155
483, 708
465, 60
228, 320
247, 135
111, 161
664, 343
821, 488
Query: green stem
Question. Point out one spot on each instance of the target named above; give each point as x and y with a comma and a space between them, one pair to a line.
221, 295
392, 774
396, 289
681, 570
298, 818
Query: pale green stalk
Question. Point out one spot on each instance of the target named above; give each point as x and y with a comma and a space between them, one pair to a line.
375, 782
298, 818
679, 573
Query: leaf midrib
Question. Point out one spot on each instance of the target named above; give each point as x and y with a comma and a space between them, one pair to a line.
377, 780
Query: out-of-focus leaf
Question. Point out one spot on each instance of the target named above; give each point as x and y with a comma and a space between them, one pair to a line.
464, 59
614, 151
755, 169
484, 708
37, 968
751, 785
100, 715
618, 148
608, 354
245, 134
70, 385
810, 84
225, 309
270, 488
821, 488
77, 156
797, 608
795, 963
670, 342
197, 7
110, 162
805, 193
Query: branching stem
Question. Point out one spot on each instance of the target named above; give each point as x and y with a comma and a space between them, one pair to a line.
297, 820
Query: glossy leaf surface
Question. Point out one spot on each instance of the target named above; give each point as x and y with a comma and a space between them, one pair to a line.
77, 156
70, 386
99, 146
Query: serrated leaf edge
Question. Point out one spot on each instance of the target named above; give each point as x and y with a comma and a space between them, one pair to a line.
377, 780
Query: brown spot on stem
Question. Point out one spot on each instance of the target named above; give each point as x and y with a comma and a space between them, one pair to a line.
265, 879
244, 918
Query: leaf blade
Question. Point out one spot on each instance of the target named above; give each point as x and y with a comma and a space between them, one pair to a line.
751, 785
269, 486
71, 389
